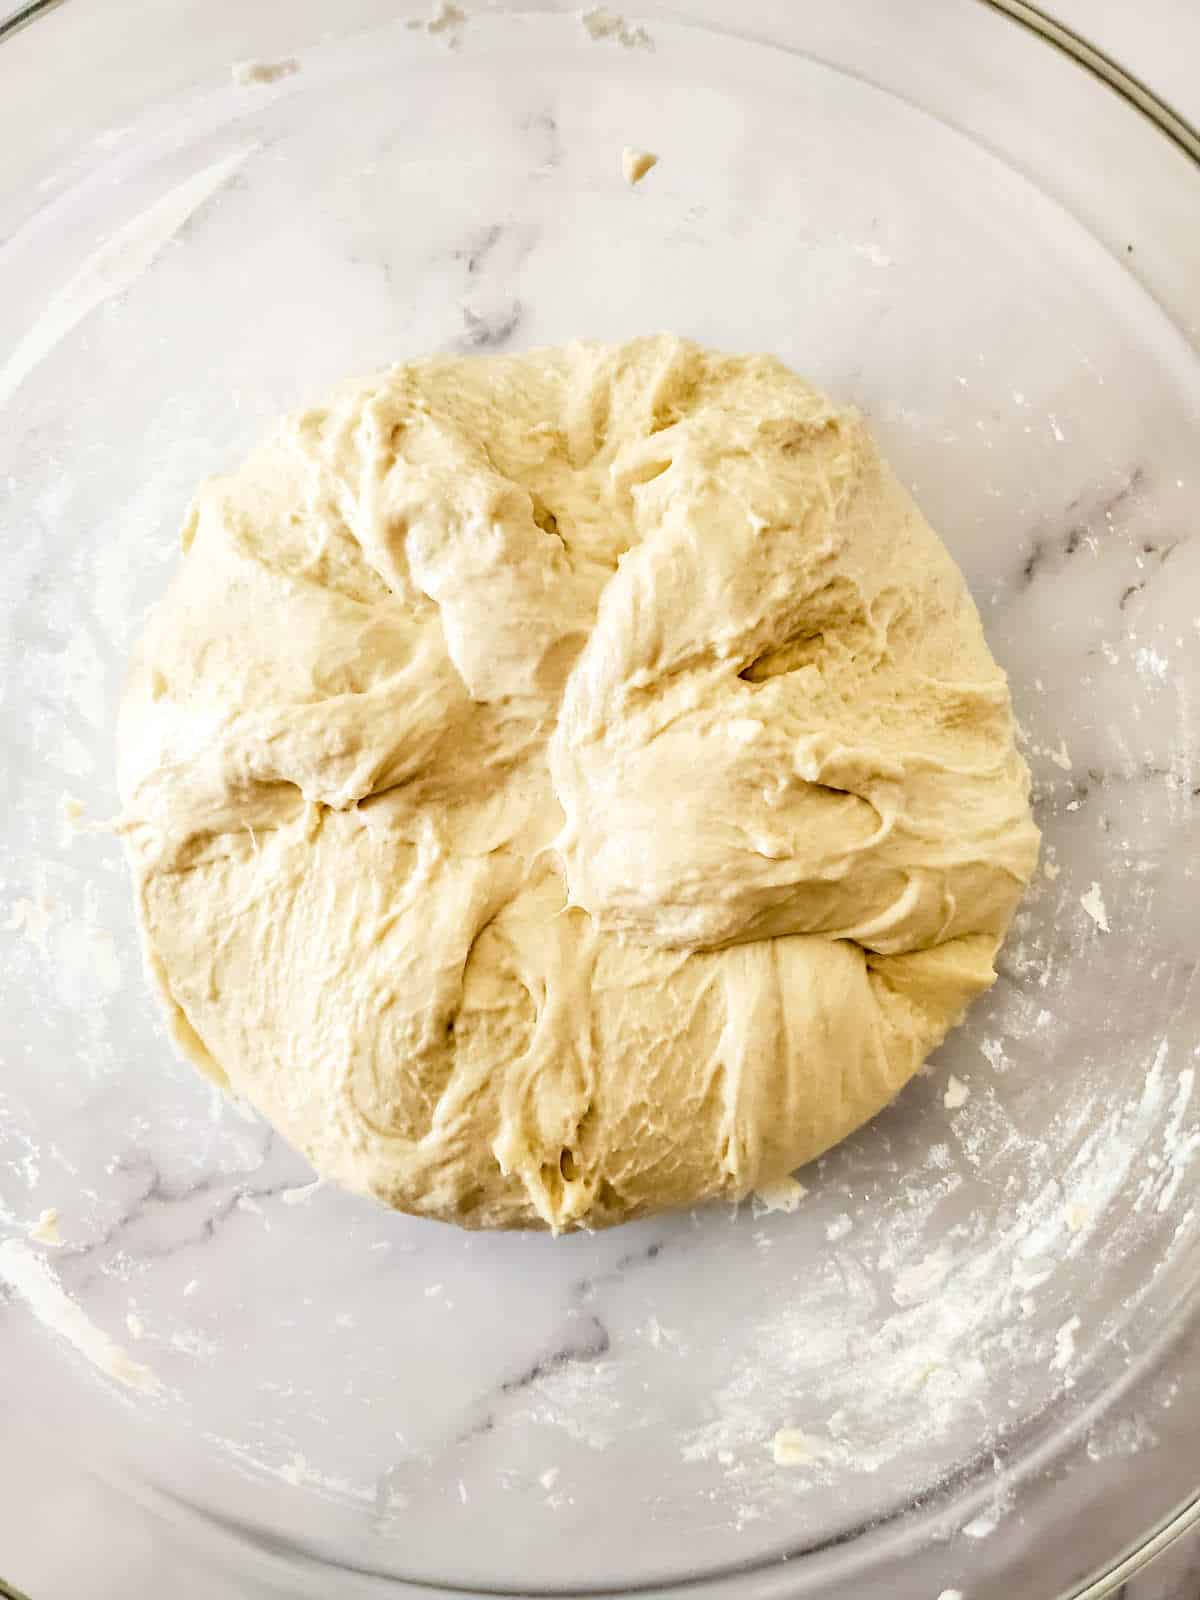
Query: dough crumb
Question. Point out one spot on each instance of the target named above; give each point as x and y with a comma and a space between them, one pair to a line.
602, 24
135, 1325
957, 1093
1093, 903
549, 1478
45, 1229
252, 72
446, 20
791, 1447
1050, 870
785, 1195
635, 164
1077, 1216
1064, 1344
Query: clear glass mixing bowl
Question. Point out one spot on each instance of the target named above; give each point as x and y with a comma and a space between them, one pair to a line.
984, 1318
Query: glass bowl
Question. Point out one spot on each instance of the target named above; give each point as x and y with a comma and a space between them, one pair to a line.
967, 1360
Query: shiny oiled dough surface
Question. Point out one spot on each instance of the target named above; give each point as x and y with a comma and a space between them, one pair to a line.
567, 785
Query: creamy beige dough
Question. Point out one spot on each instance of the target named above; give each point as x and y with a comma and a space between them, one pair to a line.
568, 785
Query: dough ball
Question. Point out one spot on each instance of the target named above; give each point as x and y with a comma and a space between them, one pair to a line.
568, 785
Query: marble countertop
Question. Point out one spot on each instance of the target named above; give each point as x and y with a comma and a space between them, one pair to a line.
66, 1534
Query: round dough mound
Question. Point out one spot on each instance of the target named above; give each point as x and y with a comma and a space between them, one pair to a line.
568, 785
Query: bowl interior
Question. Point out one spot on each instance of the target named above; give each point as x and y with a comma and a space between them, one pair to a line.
961, 1283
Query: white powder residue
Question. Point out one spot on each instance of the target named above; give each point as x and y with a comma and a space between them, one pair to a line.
920, 1280
190, 1342
874, 254
602, 24
303, 1193
28, 1276
1179, 1147
961, 1309
659, 1336
1149, 663
785, 1195
136, 1326
993, 1053
32, 919
255, 72
296, 1470
114, 265
1093, 903
961, 1305
1062, 756
1122, 1436
1050, 870
957, 1094
549, 1478
45, 1230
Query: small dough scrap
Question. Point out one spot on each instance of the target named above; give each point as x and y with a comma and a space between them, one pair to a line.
602, 24
783, 1195
635, 164
791, 1447
567, 785
248, 73
957, 1094
46, 1230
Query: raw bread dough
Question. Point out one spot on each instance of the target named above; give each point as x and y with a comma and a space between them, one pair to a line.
635, 164
567, 785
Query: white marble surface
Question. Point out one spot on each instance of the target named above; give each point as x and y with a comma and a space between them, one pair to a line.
65, 1533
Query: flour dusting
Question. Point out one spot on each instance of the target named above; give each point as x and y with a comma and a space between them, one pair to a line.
1093, 903
28, 1276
